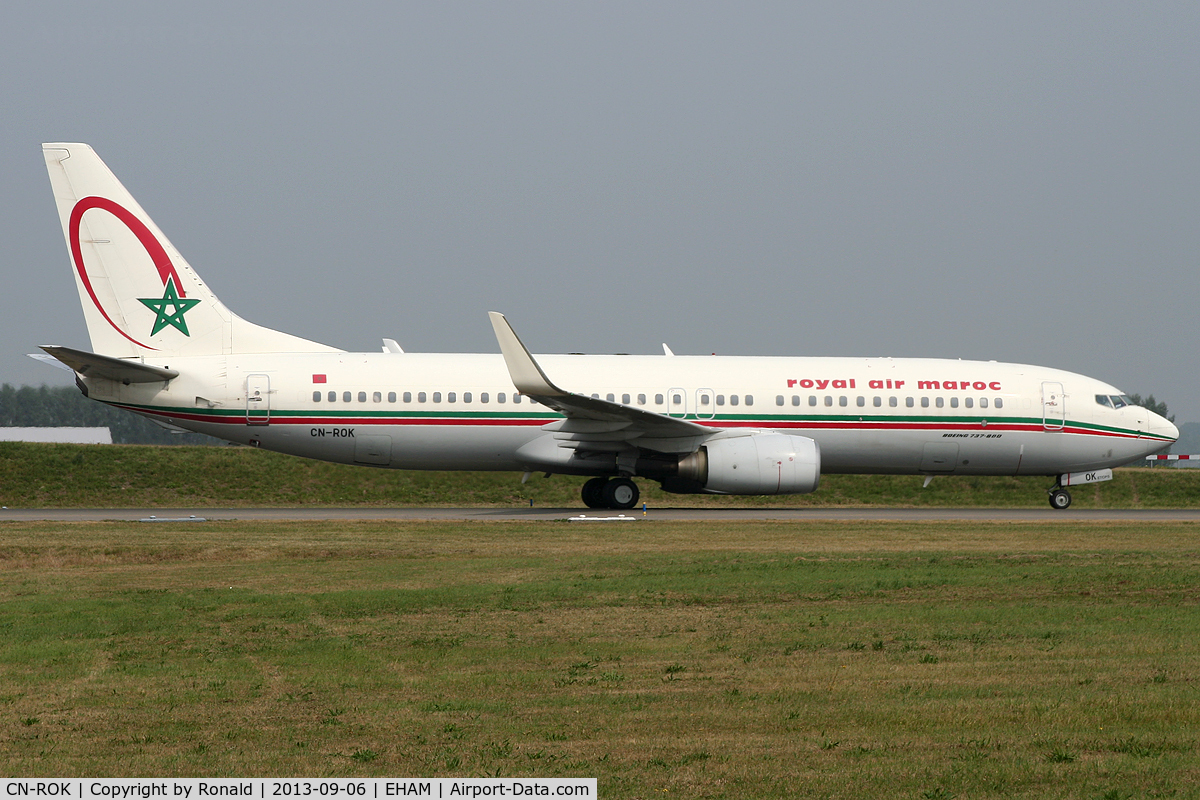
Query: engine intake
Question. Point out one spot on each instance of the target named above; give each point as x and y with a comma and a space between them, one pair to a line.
765, 463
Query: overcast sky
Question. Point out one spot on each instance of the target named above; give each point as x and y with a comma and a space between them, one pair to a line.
1012, 181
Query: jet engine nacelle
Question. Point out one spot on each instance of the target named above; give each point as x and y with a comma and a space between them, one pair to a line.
765, 463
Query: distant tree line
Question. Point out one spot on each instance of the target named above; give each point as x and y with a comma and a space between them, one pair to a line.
66, 407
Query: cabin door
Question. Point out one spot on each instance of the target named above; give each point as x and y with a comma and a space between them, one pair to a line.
1054, 407
258, 400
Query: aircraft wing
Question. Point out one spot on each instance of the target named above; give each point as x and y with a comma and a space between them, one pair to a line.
116, 369
591, 423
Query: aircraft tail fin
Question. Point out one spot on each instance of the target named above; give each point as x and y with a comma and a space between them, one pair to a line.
140, 296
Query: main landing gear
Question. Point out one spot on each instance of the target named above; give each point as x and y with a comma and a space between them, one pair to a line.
610, 493
1060, 498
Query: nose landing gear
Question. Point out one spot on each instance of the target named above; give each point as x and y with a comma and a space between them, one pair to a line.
606, 493
1060, 498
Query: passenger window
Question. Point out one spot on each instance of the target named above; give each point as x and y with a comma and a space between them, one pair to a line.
877, 401
641, 399
625, 399
499, 397
749, 399
843, 400
345, 397
516, 399
733, 399
893, 402
377, 397
451, 397
999, 402
595, 396
658, 399
795, 399
720, 399
983, 402
861, 401
908, 402
362, 397
466, 397
939, 402
437, 397
421, 397
954, 402
677, 399
968, 402
812, 399
828, 400
332, 397
317, 396
610, 397
408, 397
483, 397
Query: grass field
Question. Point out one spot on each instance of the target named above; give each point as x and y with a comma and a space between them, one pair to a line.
131, 476
853, 660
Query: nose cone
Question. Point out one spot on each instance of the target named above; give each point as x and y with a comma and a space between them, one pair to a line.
1161, 427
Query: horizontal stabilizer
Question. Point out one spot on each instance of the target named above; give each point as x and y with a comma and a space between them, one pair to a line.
115, 369
50, 361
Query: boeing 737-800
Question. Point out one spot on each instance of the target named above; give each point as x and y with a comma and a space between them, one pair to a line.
164, 346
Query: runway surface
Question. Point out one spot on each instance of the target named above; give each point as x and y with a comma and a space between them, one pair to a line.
550, 514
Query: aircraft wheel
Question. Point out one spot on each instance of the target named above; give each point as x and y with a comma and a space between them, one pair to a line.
621, 493
1060, 499
593, 492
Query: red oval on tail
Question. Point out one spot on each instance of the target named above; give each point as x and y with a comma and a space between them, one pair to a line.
154, 249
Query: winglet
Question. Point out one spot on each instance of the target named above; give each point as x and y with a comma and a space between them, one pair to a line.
526, 375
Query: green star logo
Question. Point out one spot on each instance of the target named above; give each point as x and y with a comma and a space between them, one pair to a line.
172, 300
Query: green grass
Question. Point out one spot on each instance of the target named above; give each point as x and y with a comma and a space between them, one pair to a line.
131, 476
692, 660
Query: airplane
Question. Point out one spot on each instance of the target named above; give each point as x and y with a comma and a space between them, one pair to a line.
164, 346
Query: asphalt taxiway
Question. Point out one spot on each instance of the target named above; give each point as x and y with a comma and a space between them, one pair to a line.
549, 514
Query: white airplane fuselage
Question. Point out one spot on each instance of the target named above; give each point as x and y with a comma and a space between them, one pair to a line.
444, 410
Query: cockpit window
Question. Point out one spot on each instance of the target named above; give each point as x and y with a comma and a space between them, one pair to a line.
1127, 400
1104, 400
1120, 402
